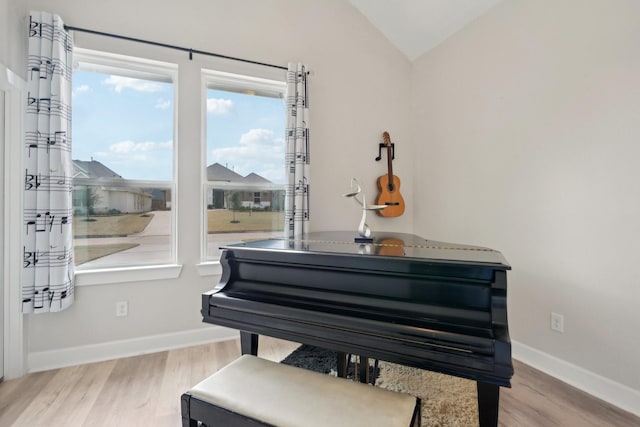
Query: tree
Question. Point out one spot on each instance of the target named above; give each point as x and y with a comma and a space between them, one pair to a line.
92, 200
236, 204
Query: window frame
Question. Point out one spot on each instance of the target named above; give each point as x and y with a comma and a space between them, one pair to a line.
229, 82
136, 67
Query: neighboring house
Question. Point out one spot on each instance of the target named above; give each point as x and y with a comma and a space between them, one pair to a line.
90, 194
160, 199
252, 191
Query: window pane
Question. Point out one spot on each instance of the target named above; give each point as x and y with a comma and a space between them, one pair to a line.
117, 226
125, 124
234, 216
123, 170
245, 167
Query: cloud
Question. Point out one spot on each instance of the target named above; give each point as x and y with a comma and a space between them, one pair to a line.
139, 160
219, 106
124, 147
81, 89
258, 151
258, 137
120, 83
163, 104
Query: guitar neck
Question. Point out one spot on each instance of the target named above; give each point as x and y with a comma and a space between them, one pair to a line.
390, 168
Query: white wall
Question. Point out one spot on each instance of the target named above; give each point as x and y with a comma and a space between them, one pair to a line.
352, 103
526, 126
9, 95
4, 30
4, 35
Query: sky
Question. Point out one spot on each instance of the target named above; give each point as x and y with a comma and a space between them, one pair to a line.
246, 134
127, 125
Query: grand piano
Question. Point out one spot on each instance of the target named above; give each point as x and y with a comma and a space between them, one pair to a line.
400, 298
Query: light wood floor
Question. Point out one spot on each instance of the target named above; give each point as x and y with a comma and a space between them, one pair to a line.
145, 390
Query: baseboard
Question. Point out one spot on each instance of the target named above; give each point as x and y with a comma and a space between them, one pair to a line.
53, 359
617, 394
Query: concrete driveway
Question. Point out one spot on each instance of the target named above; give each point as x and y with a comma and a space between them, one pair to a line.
154, 244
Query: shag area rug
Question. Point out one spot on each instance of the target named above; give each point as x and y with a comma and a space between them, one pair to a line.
446, 401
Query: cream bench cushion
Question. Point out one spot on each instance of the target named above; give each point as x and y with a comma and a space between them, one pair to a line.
287, 396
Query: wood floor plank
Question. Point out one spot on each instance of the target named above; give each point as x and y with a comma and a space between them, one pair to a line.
145, 390
16, 395
177, 376
77, 387
536, 399
187, 367
128, 396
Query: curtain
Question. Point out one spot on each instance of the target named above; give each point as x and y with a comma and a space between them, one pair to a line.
297, 155
47, 279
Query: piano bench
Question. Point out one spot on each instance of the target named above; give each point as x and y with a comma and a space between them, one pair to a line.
251, 391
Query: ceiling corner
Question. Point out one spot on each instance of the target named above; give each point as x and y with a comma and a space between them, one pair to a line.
417, 26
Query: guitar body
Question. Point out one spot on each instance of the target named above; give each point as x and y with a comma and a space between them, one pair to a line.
389, 185
390, 195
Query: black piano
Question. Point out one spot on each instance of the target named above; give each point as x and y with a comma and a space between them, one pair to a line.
400, 298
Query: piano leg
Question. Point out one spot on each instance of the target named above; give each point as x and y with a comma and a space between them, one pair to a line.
341, 364
249, 343
363, 369
488, 404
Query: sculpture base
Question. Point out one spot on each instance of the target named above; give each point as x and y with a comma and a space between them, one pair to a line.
363, 239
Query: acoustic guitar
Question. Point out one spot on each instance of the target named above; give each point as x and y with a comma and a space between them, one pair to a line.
389, 186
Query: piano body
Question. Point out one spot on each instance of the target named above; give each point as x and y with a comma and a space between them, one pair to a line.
403, 299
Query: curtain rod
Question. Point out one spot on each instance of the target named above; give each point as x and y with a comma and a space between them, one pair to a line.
169, 46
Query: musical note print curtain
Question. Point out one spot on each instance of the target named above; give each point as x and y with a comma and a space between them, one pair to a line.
48, 239
297, 156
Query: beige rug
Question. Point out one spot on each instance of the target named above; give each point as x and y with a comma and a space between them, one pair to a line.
446, 401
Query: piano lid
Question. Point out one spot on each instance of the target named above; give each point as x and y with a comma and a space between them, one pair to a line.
384, 244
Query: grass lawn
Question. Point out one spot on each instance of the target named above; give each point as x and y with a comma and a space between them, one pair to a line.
110, 225
218, 221
222, 221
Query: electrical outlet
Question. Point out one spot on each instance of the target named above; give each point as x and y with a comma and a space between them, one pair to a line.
122, 308
557, 322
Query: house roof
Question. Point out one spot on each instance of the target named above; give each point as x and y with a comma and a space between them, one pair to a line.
92, 169
217, 172
254, 178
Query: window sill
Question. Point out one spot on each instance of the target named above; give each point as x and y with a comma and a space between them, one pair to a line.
130, 274
212, 268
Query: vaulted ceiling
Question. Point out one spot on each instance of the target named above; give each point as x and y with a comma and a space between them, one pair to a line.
416, 26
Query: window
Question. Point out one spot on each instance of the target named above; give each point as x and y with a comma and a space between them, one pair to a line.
245, 160
123, 161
